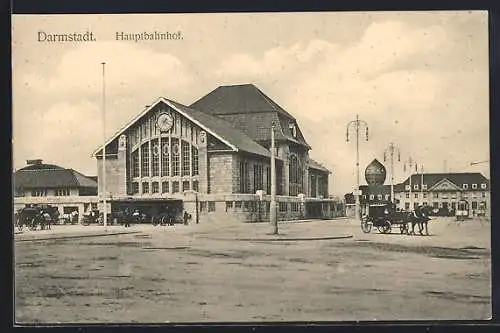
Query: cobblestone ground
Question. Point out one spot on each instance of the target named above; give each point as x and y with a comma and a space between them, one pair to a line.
207, 273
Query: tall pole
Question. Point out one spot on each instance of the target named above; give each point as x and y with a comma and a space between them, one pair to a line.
422, 182
357, 124
392, 149
105, 206
411, 164
272, 213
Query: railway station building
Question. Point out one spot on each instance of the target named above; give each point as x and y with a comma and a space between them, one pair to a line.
211, 159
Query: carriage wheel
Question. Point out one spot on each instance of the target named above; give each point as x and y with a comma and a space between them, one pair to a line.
366, 226
385, 228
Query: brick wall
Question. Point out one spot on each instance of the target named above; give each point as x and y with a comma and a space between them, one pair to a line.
116, 177
220, 168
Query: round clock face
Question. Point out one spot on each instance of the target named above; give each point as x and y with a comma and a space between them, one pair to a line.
164, 122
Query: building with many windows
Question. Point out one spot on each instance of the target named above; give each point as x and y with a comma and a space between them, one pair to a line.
445, 190
212, 160
438, 190
47, 184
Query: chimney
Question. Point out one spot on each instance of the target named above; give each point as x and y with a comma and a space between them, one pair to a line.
34, 162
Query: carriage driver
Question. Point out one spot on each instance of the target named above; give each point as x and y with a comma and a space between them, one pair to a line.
418, 211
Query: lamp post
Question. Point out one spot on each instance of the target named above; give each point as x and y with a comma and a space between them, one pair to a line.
357, 125
422, 182
391, 151
411, 164
105, 207
272, 214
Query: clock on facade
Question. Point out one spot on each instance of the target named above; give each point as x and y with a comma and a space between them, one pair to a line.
164, 122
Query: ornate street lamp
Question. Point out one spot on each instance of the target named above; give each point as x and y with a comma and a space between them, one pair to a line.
357, 125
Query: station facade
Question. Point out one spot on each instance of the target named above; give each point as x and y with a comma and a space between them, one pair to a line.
212, 160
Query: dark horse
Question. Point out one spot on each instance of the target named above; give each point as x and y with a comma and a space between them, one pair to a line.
420, 218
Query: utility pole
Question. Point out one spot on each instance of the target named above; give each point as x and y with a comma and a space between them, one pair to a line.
422, 182
357, 125
411, 164
391, 150
272, 213
105, 206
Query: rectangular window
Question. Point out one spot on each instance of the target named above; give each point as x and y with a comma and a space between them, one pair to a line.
39, 193
135, 163
93, 206
425, 195
175, 187
164, 187
407, 195
424, 187
474, 204
145, 160
379, 196
155, 160
435, 205
416, 195
484, 194
436, 195
185, 185
244, 177
211, 206
474, 186
145, 187
195, 161
195, 186
203, 206
237, 204
61, 192
407, 205
175, 158
155, 187
283, 206
186, 167
165, 159
258, 177
135, 187
229, 205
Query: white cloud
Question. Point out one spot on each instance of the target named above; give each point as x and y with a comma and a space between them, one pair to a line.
128, 66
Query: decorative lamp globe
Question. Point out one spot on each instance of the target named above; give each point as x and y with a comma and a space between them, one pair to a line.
375, 173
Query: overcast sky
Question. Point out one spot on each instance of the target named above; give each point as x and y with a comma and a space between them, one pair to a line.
419, 79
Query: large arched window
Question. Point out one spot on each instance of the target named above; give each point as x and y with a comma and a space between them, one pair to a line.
169, 159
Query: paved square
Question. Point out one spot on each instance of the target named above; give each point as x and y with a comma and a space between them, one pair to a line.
202, 273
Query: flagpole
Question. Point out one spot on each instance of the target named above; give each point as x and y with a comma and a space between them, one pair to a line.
105, 206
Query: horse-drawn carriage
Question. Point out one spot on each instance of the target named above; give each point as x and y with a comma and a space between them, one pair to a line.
385, 216
34, 216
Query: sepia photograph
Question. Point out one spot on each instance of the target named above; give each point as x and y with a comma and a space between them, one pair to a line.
251, 167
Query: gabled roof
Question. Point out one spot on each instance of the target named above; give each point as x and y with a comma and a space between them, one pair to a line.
251, 111
215, 126
58, 177
431, 179
317, 166
240, 98
444, 184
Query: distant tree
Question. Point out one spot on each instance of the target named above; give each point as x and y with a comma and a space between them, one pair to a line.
349, 198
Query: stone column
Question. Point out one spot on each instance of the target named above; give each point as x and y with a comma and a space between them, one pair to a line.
203, 163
